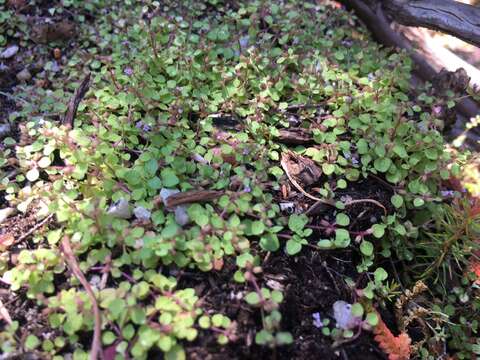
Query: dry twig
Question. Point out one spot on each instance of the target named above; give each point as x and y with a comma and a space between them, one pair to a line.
75, 101
35, 228
192, 196
75, 268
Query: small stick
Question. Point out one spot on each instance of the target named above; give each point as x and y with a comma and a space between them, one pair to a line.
192, 196
367, 200
75, 101
73, 265
35, 228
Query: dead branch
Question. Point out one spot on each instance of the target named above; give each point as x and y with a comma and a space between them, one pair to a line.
75, 101
437, 55
192, 196
295, 136
448, 16
377, 23
71, 260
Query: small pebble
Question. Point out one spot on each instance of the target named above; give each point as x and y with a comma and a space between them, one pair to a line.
120, 209
24, 75
181, 216
5, 130
142, 214
9, 52
288, 207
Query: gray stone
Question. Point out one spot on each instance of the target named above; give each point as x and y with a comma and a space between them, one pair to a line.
5, 130
181, 216
120, 209
9, 52
142, 214
24, 75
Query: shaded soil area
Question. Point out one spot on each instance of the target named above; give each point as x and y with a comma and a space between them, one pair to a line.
312, 282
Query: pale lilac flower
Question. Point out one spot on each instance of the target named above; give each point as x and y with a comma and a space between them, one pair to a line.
128, 71
447, 193
142, 126
317, 321
342, 312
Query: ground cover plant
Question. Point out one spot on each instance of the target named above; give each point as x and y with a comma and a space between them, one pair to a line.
241, 180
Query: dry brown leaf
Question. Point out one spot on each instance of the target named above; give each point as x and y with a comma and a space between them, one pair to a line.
6, 240
218, 264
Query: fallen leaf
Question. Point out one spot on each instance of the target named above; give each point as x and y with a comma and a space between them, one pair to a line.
6, 240
218, 264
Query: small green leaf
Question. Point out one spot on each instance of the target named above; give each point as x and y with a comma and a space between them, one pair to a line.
176, 353
380, 274
357, 310
169, 178
342, 238
362, 146
293, 247
382, 164
284, 338
341, 184
296, 223
32, 342
116, 307
108, 337
372, 319
269, 242
217, 319
328, 169
277, 296
252, 298
325, 244
258, 227
378, 230
263, 337
366, 247
418, 202
342, 219
397, 200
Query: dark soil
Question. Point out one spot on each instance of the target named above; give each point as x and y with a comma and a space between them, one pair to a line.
312, 281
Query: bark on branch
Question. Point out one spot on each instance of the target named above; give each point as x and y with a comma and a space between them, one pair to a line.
448, 16
376, 21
